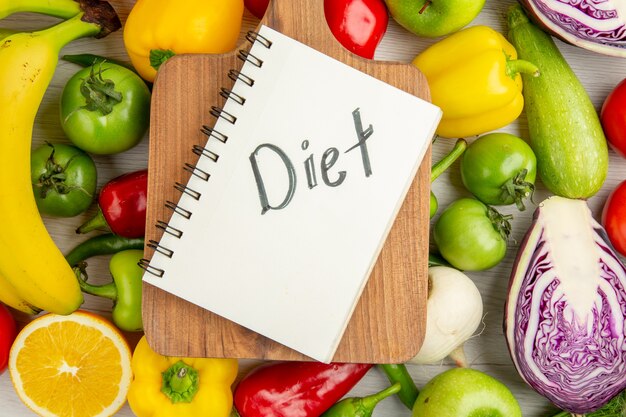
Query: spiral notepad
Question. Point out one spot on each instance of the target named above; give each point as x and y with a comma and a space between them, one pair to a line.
293, 194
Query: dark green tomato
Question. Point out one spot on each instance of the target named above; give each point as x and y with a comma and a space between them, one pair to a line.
499, 169
471, 236
64, 179
105, 109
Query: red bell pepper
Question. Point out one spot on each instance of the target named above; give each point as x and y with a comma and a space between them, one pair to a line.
359, 25
8, 332
295, 389
121, 206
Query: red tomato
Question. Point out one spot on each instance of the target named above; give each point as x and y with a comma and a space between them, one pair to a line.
8, 331
614, 217
613, 118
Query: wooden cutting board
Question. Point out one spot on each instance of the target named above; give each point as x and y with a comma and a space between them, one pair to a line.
388, 323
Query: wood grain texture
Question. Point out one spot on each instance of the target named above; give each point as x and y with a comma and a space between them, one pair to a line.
389, 320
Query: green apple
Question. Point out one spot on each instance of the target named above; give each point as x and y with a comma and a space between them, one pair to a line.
434, 18
465, 392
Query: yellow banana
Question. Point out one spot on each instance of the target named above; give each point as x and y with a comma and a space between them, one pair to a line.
9, 296
59, 8
29, 259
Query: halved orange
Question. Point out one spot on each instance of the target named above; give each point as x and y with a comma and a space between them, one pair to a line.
75, 365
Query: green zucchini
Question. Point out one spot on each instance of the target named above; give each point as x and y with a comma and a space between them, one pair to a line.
564, 127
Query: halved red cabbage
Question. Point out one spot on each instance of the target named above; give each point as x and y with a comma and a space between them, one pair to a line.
597, 25
565, 315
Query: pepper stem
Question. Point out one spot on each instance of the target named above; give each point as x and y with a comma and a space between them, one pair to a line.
159, 56
108, 290
96, 222
441, 166
370, 401
180, 382
520, 66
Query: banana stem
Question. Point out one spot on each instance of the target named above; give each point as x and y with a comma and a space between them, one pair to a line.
57, 8
69, 30
97, 19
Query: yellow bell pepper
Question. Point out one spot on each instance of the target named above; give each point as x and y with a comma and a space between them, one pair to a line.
157, 29
166, 386
474, 77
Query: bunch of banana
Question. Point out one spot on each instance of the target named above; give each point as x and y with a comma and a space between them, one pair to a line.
33, 272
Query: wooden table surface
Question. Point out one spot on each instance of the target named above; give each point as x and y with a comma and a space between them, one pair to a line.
487, 350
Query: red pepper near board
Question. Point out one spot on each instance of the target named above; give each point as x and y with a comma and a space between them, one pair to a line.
359, 25
288, 389
121, 206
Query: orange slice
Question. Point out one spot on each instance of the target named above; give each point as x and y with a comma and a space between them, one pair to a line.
76, 365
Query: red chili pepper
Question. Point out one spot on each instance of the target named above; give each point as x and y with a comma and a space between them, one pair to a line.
295, 389
122, 206
359, 25
8, 331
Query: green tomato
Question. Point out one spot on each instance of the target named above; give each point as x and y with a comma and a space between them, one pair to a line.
105, 109
64, 179
499, 169
471, 236
465, 392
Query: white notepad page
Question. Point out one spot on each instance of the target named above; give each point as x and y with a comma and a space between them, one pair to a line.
298, 205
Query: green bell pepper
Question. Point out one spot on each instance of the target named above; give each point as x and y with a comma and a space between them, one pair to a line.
124, 290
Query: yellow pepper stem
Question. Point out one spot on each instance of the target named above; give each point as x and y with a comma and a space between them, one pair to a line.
180, 383
519, 66
159, 56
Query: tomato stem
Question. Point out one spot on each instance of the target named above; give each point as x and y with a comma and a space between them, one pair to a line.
100, 94
53, 178
500, 222
518, 188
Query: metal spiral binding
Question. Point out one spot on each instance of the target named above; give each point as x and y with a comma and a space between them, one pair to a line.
178, 210
246, 56
153, 244
145, 265
238, 75
204, 152
230, 95
160, 224
194, 170
189, 191
220, 112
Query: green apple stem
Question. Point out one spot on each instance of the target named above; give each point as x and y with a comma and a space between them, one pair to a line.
425, 6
